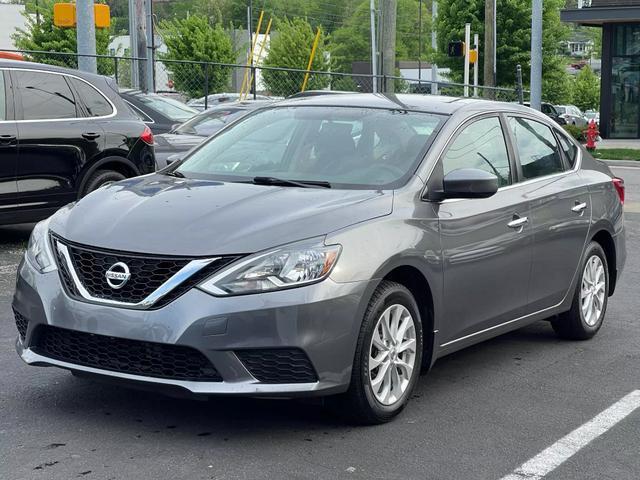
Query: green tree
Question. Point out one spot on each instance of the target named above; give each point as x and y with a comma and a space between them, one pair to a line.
46, 37
291, 48
195, 39
586, 90
351, 42
513, 37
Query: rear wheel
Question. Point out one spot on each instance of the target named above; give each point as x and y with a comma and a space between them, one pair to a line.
590, 299
388, 357
100, 179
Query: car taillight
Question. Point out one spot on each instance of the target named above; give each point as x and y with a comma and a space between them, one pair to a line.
147, 136
619, 184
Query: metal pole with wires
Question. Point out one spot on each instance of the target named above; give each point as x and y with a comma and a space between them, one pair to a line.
374, 49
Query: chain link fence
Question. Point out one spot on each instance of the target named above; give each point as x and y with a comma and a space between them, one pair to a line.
199, 80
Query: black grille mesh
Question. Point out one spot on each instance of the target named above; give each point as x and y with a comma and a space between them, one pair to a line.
21, 324
147, 273
135, 357
278, 365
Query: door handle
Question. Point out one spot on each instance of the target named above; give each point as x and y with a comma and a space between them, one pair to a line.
91, 135
579, 207
518, 223
7, 139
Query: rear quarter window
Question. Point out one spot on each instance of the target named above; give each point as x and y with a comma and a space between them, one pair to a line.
94, 101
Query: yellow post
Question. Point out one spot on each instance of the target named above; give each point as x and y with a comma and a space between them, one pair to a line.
264, 41
250, 57
311, 57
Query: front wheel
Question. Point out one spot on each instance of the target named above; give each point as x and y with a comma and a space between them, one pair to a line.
590, 299
387, 359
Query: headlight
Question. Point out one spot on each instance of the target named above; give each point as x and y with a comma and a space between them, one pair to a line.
38, 251
291, 266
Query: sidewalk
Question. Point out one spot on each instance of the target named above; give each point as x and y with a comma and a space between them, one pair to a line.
627, 143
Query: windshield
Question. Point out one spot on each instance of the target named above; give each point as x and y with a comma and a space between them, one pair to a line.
173, 109
208, 123
561, 110
347, 147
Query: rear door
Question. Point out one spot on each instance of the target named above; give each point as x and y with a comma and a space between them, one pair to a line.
486, 243
8, 147
559, 204
55, 138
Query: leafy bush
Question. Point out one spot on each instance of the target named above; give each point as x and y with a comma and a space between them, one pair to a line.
575, 132
291, 49
194, 39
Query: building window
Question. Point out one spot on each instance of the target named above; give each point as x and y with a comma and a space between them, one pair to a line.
625, 81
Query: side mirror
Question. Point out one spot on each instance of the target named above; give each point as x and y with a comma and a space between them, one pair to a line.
469, 183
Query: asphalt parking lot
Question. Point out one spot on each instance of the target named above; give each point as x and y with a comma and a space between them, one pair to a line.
479, 414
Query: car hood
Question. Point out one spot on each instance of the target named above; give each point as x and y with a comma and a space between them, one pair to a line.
158, 214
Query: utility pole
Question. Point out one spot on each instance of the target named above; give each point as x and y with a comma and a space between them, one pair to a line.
133, 44
141, 48
374, 48
536, 54
86, 36
467, 47
490, 45
420, 44
150, 53
389, 13
434, 46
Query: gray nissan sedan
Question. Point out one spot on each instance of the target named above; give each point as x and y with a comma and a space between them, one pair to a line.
331, 245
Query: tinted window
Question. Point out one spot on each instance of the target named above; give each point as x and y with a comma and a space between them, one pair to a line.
480, 145
45, 95
570, 150
3, 101
537, 148
94, 101
348, 147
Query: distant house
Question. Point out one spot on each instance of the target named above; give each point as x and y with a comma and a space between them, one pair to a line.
120, 46
11, 19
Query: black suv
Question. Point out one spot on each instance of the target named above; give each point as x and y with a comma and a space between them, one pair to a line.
63, 134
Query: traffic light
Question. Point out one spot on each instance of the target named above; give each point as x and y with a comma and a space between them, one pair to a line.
456, 49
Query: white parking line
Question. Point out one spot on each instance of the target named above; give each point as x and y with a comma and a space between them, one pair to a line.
552, 457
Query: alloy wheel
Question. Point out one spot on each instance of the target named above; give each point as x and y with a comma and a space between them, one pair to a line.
392, 354
592, 292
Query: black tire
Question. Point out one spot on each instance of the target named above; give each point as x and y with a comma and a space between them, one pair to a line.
572, 325
359, 404
101, 178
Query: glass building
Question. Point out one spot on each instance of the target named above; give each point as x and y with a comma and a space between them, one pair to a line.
620, 87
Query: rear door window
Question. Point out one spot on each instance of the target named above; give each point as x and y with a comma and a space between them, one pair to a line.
570, 150
96, 104
537, 148
45, 96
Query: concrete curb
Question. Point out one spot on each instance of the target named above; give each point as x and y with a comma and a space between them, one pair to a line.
622, 163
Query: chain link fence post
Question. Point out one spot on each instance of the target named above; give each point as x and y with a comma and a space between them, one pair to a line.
206, 86
519, 88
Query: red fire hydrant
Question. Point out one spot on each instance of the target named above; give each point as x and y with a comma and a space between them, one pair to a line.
592, 135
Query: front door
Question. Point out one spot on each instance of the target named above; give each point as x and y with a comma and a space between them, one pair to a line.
55, 141
486, 243
8, 149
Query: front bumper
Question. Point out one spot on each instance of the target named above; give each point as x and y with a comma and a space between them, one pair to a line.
322, 320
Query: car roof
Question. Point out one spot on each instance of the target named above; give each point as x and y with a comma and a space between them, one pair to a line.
49, 68
411, 101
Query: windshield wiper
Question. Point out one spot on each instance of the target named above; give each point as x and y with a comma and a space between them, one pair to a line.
174, 173
290, 183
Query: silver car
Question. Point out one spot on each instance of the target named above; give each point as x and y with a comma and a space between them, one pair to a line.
329, 245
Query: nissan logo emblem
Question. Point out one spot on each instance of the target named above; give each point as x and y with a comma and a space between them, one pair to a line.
118, 275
